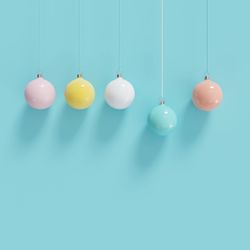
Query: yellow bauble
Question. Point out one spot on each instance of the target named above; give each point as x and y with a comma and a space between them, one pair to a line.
80, 94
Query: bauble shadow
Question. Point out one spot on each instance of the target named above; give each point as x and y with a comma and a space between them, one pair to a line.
30, 124
193, 123
69, 123
148, 148
109, 123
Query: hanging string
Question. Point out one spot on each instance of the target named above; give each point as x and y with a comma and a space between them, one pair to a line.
162, 51
79, 36
207, 38
39, 37
119, 37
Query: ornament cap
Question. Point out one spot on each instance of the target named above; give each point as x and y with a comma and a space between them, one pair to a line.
79, 75
162, 101
39, 75
119, 75
206, 77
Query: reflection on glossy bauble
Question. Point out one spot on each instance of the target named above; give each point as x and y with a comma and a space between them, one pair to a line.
40, 93
162, 119
207, 95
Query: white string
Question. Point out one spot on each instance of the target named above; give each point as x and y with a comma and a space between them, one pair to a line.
207, 37
79, 36
39, 36
119, 37
162, 50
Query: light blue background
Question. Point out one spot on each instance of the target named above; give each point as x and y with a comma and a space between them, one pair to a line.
99, 179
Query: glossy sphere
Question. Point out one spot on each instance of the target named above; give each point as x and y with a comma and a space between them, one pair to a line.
80, 94
119, 94
39, 93
162, 119
207, 95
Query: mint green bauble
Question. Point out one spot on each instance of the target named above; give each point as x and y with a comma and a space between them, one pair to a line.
162, 119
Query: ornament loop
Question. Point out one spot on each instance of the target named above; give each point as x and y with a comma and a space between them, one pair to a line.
79, 75
119, 75
206, 77
39, 75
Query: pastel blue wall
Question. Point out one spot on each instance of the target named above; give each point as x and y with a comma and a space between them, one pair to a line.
99, 179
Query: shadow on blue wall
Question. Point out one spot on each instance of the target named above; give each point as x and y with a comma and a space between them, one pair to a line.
109, 123
148, 148
30, 124
69, 123
193, 123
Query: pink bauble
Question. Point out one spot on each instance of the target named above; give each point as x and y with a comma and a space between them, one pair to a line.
40, 94
207, 95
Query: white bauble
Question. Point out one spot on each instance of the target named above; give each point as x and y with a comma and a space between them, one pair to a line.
119, 93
